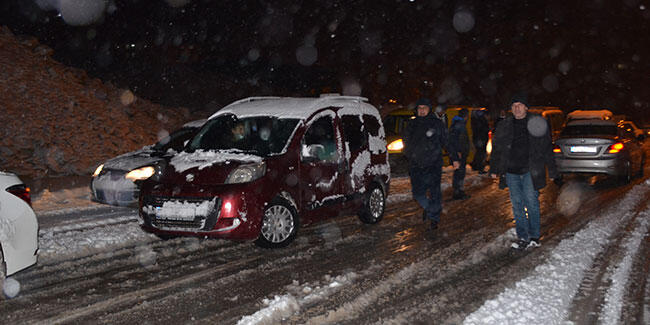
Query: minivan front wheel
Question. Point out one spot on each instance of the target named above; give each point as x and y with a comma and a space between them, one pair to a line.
373, 206
279, 225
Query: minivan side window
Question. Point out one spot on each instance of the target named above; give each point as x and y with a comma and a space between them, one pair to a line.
353, 132
372, 125
321, 132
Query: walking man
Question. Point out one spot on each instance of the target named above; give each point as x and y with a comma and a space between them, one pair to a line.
480, 137
522, 151
459, 140
424, 138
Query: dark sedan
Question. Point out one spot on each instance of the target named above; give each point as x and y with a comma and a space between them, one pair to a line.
114, 181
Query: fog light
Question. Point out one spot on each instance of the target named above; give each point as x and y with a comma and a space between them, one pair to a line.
227, 207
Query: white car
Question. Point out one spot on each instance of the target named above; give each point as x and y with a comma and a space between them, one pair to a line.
18, 227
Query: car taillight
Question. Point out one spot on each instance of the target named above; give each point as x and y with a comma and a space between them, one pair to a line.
22, 192
615, 148
557, 149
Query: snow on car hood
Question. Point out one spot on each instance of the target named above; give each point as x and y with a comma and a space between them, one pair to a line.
131, 160
203, 159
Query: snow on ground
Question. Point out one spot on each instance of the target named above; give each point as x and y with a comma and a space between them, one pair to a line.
545, 296
63, 201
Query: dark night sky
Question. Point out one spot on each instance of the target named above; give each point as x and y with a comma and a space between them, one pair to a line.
589, 54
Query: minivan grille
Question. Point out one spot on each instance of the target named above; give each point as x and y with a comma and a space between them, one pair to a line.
180, 223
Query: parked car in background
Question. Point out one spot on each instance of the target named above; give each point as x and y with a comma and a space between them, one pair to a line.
601, 114
395, 123
599, 146
263, 166
114, 181
631, 127
18, 227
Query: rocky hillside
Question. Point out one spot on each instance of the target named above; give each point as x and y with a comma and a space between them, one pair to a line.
56, 120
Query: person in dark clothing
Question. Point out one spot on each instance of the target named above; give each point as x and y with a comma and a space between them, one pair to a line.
424, 139
459, 140
522, 153
480, 137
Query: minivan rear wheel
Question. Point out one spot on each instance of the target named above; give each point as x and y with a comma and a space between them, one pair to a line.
279, 224
373, 206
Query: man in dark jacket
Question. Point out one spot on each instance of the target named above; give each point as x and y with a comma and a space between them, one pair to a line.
480, 137
459, 140
424, 138
522, 151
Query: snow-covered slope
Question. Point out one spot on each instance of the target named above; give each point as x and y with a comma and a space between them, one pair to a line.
57, 120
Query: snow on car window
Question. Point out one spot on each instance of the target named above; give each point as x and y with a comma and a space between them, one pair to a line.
202, 159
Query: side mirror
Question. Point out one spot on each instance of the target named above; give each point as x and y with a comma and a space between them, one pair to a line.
312, 152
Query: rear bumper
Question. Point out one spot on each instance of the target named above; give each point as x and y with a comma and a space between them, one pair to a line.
20, 247
613, 166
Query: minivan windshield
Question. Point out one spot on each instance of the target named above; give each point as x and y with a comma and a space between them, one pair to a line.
589, 129
261, 135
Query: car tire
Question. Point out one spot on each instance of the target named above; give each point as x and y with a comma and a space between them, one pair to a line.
627, 177
280, 224
641, 171
374, 205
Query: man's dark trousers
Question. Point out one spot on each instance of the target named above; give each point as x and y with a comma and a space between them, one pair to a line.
425, 179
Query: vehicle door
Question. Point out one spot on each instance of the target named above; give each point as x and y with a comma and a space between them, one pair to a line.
320, 160
357, 157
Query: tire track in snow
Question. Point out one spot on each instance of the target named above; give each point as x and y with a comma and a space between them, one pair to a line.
560, 275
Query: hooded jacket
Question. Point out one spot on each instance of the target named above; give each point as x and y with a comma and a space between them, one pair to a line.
540, 151
424, 139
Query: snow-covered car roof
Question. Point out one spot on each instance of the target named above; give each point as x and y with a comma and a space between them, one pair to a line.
603, 114
294, 107
592, 121
195, 124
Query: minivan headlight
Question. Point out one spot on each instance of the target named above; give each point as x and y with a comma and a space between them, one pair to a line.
141, 173
246, 173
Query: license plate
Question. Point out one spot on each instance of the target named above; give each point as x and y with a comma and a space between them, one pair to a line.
176, 213
583, 149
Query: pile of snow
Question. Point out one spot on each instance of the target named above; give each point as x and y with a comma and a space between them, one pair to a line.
59, 121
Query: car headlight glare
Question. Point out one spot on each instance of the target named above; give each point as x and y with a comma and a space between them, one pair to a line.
98, 170
396, 145
140, 173
246, 173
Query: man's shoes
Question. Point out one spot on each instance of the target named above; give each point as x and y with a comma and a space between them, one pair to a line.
424, 215
433, 226
460, 196
519, 244
534, 243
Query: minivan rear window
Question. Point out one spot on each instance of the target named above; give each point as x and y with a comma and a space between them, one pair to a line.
573, 130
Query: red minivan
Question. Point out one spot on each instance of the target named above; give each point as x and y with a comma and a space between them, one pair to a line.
262, 166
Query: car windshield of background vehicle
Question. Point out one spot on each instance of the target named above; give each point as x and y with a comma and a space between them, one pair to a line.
573, 130
261, 135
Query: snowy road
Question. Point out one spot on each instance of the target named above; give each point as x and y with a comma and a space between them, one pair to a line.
96, 266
